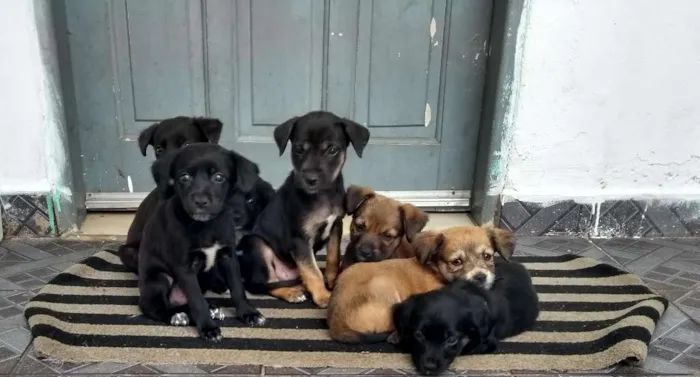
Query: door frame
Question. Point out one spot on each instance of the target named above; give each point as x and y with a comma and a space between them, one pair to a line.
482, 200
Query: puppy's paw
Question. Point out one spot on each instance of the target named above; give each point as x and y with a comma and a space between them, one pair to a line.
253, 318
211, 334
217, 314
321, 299
180, 319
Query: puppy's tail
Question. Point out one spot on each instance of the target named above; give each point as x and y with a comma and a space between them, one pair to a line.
129, 257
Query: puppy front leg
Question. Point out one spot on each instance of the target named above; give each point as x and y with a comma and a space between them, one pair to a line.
333, 249
199, 308
311, 275
231, 271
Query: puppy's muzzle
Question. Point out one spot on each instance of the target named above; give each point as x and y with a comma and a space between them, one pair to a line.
366, 253
311, 179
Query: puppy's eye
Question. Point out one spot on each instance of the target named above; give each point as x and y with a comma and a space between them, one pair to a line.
487, 256
456, 262
388, 236
185, 144
185, 178
250, 201
299, 150
159, 151
332, 151
418, 335
451, 341
360, 227
218, 178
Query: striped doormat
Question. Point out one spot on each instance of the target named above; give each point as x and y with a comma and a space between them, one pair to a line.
593, 316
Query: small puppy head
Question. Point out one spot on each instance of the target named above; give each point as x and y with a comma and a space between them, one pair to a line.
173, 133
319, 142
246, 206
465, 253
435, 327
379, 224
203, 176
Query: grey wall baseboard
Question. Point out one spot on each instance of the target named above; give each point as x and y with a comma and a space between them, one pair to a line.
27, 216
615, 218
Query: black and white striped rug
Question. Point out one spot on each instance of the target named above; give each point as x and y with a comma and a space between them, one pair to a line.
593, 316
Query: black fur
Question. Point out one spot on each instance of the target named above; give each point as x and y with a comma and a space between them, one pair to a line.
166, 136
245, 208
318, 141
195, 183
463, 318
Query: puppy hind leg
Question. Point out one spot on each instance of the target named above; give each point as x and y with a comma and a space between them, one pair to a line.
154, 299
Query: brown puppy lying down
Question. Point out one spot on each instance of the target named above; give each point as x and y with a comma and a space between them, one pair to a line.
360, 309
381, 228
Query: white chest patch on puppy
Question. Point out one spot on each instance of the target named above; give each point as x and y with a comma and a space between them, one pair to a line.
329, 225
210, 255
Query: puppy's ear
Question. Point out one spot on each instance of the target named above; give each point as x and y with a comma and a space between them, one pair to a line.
161, 171
427, 245
413, 220
355, 196
146, 137
479, 321
210, 127
265, 191
401, 314
358, 135
246, 172
283, 132
502, 241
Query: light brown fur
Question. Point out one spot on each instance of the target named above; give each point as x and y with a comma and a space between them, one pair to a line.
365, 293
381, 227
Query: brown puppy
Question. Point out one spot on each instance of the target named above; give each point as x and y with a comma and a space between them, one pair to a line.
360, 309
382, 228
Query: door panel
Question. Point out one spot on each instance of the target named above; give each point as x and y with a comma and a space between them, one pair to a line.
410, 70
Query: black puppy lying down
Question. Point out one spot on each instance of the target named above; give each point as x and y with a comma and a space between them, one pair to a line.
463, 318
190, 233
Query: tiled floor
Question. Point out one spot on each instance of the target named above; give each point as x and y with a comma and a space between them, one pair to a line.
671, 266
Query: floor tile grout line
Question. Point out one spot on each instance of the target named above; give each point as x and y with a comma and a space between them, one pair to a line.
670, 302
600, 248
19, 359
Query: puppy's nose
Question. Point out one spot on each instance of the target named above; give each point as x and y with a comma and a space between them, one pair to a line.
201, 201
430, 363
311, 179
365, 254
237, 217
480, 277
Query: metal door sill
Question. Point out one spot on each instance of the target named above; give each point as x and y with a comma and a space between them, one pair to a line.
434, 200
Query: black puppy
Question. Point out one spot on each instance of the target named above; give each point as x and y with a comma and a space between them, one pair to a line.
168, 135
463, 318
245, 209
190, 233
306, 212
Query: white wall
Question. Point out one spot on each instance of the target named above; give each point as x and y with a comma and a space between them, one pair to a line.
32, 156
608, 104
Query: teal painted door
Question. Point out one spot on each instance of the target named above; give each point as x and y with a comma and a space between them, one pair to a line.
410, 70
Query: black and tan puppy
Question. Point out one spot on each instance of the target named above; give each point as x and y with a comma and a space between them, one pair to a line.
360, 309
306, 213
381, 228
169, 135
464, 318
190, 233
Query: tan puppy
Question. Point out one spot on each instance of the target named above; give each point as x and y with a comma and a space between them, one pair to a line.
361, 305
381, 228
